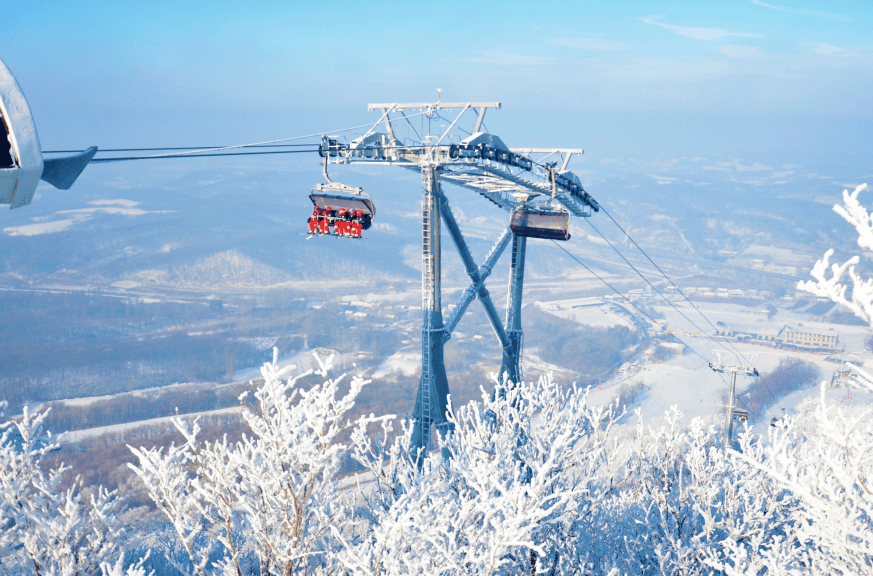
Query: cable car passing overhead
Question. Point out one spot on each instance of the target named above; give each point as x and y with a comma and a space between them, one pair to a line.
340, 209
540, 223
323, 200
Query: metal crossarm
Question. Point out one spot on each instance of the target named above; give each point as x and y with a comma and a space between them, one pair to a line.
400, 106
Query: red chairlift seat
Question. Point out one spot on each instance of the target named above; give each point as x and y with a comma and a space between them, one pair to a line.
540, 223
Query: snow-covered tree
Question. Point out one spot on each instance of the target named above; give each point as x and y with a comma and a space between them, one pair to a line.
45, 529
274, 495
824, 457
861, 303
515, 475
681, 504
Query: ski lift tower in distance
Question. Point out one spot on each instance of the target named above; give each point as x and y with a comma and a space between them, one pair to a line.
540, 197
732, 411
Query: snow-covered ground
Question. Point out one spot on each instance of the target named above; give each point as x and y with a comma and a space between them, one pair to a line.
79, 435
588, 311
303, 361
405, 362
687, 381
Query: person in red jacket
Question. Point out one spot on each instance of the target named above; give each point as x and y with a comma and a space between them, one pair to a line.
340, 228
325, 222
356, 224
350, 223
313, 221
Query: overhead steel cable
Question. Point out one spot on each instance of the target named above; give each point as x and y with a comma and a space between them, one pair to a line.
174, 148
626, 299
201, 152
640, 274
170, 156
593, 273
664, 274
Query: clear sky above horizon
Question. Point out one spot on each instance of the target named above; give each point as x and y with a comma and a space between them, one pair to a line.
633, 78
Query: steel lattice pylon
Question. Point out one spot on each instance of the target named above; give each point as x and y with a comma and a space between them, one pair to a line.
511, 179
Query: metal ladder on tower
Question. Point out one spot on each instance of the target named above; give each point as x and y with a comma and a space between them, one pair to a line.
426, 334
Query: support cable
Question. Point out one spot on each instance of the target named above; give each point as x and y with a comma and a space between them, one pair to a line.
763, 380
176, 148
405, 117
640, 274
664, 274
201, 152
170, 156
626, 299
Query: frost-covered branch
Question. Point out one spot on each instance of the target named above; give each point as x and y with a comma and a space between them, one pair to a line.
275, 494
832, 288
44, 529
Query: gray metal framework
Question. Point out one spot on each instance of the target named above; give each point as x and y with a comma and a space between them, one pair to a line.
479, 161
733, 370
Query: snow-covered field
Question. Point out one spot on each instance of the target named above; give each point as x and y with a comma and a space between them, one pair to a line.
592, 311
79, 435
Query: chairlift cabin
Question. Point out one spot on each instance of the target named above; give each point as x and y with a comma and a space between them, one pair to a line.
336, 199
336, 202
741, 414
544, 223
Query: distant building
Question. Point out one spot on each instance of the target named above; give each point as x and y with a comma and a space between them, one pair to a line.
784, 338
810, 340
674, 346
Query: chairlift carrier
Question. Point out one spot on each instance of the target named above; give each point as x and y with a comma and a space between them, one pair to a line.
338, 196
537, 222
741, 414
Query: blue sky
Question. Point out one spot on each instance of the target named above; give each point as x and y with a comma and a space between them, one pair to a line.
633, 78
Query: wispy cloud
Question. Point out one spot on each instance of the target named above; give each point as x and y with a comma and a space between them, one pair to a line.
593, 44
700, 33
662, 179
825, 49
735, 51
802, 11
738, 166
497, 58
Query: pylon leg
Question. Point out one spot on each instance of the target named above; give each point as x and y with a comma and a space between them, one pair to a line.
511, 368
431, 402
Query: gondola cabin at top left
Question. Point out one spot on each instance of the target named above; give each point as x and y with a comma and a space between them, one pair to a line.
21, 163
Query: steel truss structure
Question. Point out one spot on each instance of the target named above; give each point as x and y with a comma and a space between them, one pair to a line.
511, 178
733, 370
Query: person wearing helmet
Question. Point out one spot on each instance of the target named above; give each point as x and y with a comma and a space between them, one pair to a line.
356, 225
325, 222
350, 223
313, 221
340, 226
